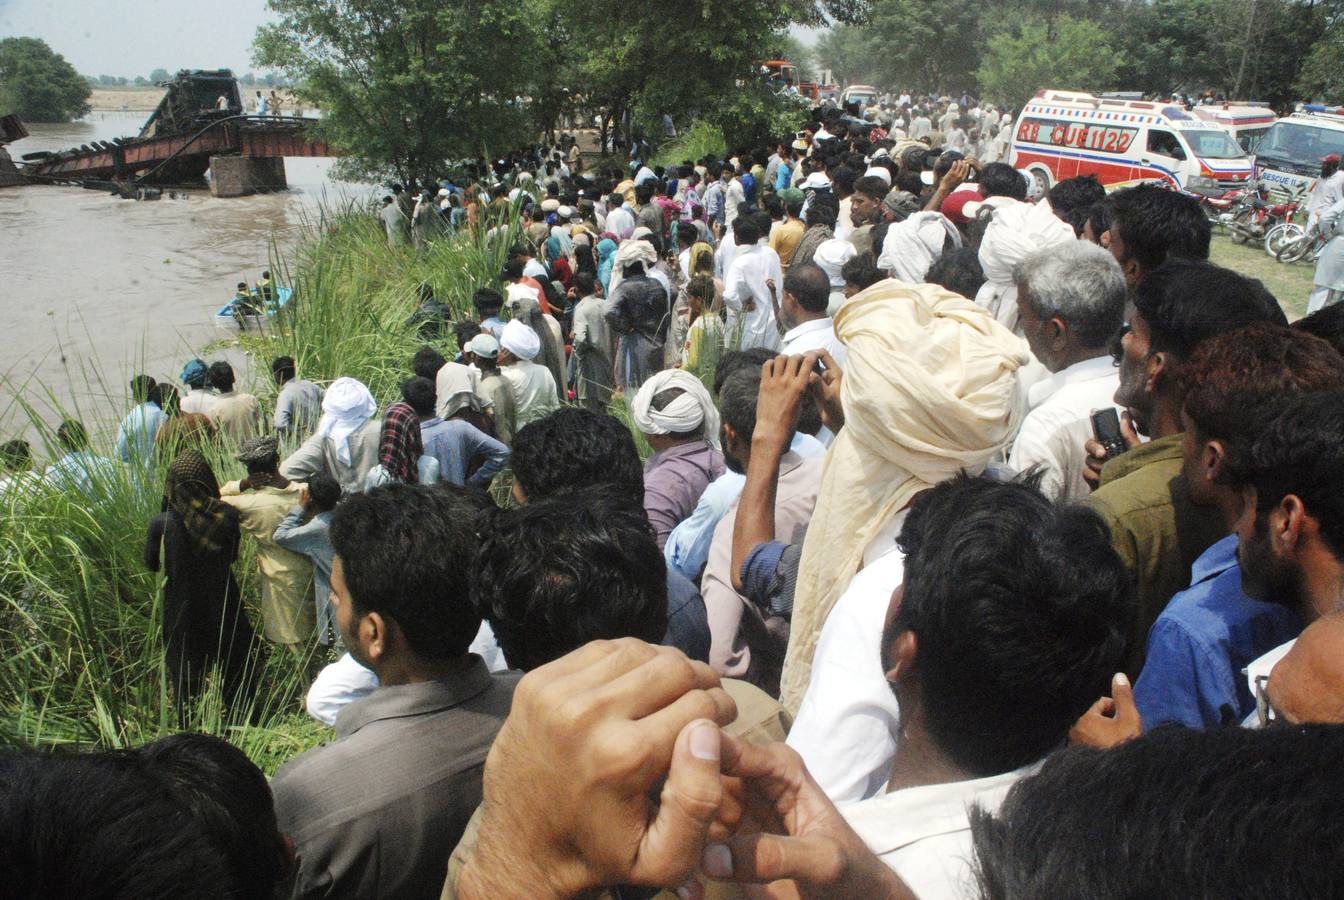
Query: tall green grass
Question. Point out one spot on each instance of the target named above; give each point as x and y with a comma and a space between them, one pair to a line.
81, 645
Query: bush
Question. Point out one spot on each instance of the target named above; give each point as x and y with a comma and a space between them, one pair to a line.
38, 84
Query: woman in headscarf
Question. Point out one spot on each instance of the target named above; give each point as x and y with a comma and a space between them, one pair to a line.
194, 542
585, 260
401, 451
558, 260
606, 259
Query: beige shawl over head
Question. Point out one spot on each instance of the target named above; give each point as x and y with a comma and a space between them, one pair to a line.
930, 389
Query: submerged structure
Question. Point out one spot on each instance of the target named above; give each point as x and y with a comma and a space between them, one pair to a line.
200, 126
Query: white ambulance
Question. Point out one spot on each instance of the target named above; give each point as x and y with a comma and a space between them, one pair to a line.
1062, 134
1289, 157
1246, 122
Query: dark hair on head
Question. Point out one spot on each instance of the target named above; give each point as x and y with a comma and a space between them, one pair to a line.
763, 222
418, 392
513, 269
325, 491
1099, 217
1002, 180
586, 282
1236, 382
1020, 609
518, 251
632, 269
861, 271
737, 401
1186, 301
644, 192
406, 553
573, 449
221, 376
702, 287
958, 271
1326, 323
687, 233
72, 435
1156, 224
166, 397
1260, 804
105, 825
943, 164
871, 186
733, 360
1301, 452
464, 331
1078, 192
1077, 219
488, 301
823, 210
574, 567
810, 286
16, 455
228, 798
745, 232
141, 387
427, 362
774, 206
283, 367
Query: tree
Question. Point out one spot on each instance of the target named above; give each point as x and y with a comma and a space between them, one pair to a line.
920, 45
1068, 53
38, 84
159, 75
407, 86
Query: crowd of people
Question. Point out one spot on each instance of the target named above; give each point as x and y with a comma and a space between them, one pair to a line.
983, 535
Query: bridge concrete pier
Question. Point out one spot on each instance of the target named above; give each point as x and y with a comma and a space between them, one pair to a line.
9, 175
238, 176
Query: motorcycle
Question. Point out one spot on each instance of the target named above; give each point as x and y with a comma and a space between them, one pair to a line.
1288, 243
1256, 216
1219, 209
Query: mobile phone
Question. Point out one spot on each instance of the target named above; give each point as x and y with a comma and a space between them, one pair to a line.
1106, 429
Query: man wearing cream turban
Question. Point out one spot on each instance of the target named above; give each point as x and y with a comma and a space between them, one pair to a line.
533, 386
681, 424
930, 390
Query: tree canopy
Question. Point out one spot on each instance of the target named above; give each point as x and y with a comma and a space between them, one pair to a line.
407, 86
1276, 51
38, 84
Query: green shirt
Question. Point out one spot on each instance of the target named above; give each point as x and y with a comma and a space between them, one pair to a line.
1155, 528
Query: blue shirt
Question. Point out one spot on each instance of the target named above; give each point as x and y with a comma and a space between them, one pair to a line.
749, 186
455, 443
135, 435
82, 471
783, 176
1204, 638
494, 325
687, 618
687, 548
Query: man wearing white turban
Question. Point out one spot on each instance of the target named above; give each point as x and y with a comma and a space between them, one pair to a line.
1016, 231
831, 257
345, 445
914, 245
681, 424
930, 390
533, 386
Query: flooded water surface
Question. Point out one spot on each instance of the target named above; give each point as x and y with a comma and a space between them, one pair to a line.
97, 288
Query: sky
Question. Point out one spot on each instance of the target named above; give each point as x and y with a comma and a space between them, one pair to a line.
117, 37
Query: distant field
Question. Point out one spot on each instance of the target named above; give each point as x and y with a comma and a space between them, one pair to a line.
1290, 284
146, 99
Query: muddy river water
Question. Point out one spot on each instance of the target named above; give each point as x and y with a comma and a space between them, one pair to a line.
94, 289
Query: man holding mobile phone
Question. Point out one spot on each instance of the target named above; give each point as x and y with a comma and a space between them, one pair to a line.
1071, 301
1155, 527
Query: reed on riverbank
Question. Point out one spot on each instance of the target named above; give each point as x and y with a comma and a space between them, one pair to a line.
81, 644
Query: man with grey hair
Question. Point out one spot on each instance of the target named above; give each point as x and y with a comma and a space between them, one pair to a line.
1071, 303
